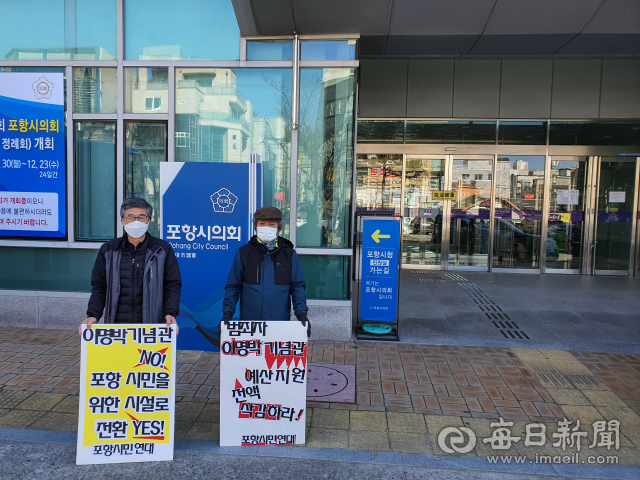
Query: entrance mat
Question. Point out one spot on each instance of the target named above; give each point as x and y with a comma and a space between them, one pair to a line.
331, 383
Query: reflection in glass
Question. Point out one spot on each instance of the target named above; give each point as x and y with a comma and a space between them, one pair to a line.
46, 269
327, 276
522, 133
614, 232
470, 213
518, 214
380, 131
596, 133
146, 90
58, 30
454, 131
95, 90
565, 231
325, 157
328, 50
378, 183
146, 147
188, 30
95, 157
422, 228
225, 115
266, 50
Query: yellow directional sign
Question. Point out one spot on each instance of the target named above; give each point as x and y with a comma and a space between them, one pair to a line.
376, 236
443, 195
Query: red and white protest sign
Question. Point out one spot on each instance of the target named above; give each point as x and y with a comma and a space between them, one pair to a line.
263, 384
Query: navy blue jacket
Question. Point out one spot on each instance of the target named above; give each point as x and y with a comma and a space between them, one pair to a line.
266, 282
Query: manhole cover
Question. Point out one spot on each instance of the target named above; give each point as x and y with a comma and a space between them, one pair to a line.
331, 383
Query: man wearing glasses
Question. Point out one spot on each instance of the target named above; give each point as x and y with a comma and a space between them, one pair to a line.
136, 278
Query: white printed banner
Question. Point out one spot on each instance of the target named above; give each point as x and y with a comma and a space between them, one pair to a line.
263, 385
127, 394
32, 211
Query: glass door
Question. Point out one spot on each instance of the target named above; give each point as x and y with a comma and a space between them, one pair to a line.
470, 226
568, 222
423, 216
615, 218
519, 200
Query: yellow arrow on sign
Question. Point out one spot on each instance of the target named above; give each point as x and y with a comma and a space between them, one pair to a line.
376, 236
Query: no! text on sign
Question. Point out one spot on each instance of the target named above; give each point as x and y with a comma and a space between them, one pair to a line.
127, 394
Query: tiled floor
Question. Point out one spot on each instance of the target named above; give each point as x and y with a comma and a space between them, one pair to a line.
406, 393
481, 382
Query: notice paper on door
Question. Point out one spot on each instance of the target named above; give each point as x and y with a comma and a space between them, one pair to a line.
567, 197
616, 197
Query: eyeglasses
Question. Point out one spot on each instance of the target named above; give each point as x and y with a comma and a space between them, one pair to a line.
133, 218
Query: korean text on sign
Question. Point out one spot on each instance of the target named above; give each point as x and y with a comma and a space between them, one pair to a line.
127, 394
262, 383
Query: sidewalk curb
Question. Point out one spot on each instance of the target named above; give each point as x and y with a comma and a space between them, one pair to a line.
353, 456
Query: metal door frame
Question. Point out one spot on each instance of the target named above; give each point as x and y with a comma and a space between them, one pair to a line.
634, 215
446, 210
588, 212
493, 159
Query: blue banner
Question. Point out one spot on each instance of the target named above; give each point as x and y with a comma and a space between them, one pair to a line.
380, 261
32, 162
206, 216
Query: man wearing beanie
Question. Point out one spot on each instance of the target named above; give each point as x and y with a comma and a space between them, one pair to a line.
266, 275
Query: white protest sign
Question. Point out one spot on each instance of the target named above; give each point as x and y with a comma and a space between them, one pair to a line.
263, 385
127, 394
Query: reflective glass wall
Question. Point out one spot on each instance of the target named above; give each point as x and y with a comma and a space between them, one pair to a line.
225, 115
124, 120
325, 161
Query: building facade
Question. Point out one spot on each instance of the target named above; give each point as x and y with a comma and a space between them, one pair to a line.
531, 116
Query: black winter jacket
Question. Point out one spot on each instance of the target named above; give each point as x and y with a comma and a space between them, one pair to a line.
131, 272
145, 290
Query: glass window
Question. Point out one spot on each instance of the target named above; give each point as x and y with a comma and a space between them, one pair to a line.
328, 50
451, 132
46, 269
224, 115
522, 133
95, 90
188, 30
566, 228
58, 30
422, 220
146, 147
146, 90
380, 131
470, 212
327, 277
270, 50
325, 146
605, 133
95, 158
518, 215
378, 183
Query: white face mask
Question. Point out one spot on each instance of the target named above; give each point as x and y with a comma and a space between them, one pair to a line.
136, 229
267, 234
